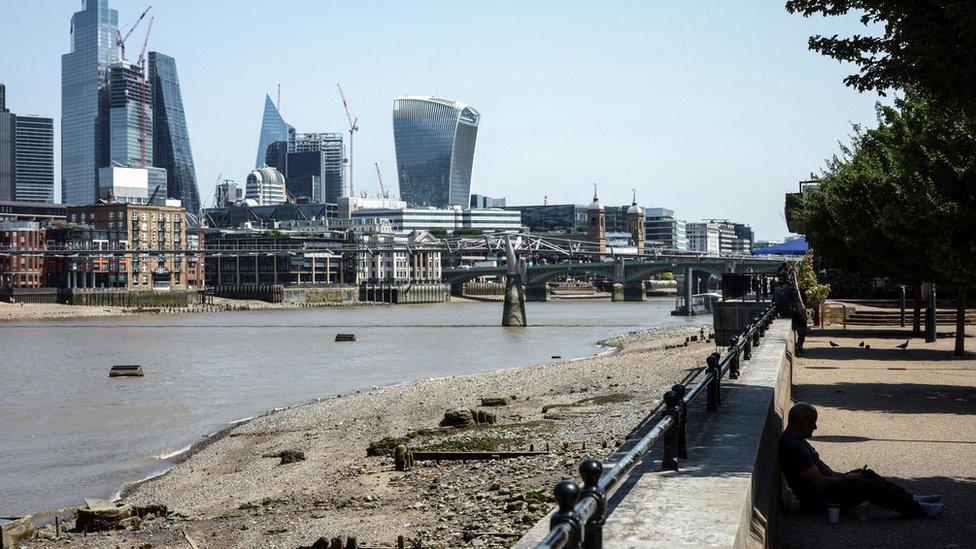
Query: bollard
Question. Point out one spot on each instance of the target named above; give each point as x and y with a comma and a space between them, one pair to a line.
669, 461
747, 348
734, 357
590, 471
567, 494
755, 333
714, 397
680, 390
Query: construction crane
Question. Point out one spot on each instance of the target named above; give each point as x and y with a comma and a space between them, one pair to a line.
353, 128
379, 176
144, 100
120, 40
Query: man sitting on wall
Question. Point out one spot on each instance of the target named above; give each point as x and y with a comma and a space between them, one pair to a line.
816, 485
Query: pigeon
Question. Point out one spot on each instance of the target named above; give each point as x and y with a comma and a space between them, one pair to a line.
903, 345
867, 346
832, 344
861, 344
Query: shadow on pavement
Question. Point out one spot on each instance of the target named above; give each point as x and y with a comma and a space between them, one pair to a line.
870, 526
895, 398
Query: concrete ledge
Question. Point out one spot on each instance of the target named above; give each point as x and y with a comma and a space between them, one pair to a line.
727, 492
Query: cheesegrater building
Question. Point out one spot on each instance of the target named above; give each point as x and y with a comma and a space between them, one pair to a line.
435, 141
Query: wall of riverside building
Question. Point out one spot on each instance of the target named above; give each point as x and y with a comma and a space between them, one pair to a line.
320, 295
272, 293
126, 298
484, 288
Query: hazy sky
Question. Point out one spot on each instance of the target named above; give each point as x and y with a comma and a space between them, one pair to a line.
711, 108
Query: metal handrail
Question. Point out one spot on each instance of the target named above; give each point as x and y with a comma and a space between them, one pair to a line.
578, 520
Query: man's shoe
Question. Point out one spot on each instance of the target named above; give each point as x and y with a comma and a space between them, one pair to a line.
931, 510
933, 498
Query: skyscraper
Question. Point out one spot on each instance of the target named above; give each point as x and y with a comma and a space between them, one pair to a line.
314, 169
130, 117
273, 128
8, 140
34, 181
171, 139
435, 141
84, 118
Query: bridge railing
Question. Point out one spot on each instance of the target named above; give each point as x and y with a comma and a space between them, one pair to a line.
578, 521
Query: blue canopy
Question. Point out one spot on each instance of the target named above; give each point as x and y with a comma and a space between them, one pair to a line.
797, 246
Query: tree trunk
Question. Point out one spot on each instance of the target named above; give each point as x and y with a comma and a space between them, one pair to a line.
917, 310
960, 322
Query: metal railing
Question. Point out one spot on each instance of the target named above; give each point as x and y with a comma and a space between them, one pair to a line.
578, 520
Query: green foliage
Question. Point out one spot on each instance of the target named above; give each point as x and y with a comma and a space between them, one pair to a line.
664, 276
814, 293
926, 46
581, 228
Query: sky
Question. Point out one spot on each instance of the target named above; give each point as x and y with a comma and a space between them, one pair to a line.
714, 109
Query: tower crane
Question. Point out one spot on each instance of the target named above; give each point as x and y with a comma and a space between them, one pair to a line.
144, 100
120, 40
353, 128
379, 176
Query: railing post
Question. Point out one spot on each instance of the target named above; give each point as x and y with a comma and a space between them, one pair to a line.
761, 325
669, 461
747, 348
680, 390
734, 357
755, 333
590, 471
715, 385
567, 495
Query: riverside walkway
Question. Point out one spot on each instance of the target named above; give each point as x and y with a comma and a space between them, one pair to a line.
908, 414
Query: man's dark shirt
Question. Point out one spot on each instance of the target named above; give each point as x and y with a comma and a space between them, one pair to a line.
795, 456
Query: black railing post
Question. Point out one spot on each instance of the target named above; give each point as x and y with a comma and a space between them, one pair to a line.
590, 471
669, 462
715, 385
680, 390
761, 325
734, 357
567, 494
747, 348
755, 332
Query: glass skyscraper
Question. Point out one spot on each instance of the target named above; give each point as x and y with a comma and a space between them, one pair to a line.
34, 181
273, 128
130, 117
435, 140
84, 81
171, 139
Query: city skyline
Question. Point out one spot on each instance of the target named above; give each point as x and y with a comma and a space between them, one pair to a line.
693, 124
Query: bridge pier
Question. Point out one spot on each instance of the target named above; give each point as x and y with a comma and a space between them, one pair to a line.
635, 291
537, 292
457, 289
513, 312
617, 292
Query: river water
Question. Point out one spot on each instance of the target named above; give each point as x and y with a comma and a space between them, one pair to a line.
68, 432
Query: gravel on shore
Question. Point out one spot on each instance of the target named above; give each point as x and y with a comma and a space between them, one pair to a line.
229, 494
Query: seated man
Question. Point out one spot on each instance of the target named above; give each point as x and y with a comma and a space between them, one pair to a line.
816, 485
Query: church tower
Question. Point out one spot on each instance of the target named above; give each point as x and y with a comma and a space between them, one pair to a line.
596, 223
635, 224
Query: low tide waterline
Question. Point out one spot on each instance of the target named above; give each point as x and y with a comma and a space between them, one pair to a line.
70, 432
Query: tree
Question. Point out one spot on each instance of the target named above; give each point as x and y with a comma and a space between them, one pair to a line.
814, 293
901, 201
925, 45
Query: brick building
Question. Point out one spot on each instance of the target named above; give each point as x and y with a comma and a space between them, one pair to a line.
21, 271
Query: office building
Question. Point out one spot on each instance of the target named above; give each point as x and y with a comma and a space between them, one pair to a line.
244, 215
273, 129
444, 219
138, 227
552, 218
34, 151
130, 117
84, 100
734, 238
133, 186
664, 230
435, 143
349, 204
482, 201
415, 261
227, 193
31, 211
703, 237
317, 259
170, 137
8, 153
317, 155
265, 186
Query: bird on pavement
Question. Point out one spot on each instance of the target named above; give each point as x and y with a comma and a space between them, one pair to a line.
904, 345
861, 344
867, 346
832, 344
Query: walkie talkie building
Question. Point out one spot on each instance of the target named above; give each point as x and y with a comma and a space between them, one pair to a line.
435, 140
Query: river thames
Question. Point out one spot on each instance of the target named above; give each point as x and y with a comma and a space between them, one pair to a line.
69, 432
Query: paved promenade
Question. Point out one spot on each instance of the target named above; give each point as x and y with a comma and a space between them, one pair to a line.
908, 414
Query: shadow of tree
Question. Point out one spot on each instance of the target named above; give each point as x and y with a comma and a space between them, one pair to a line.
870, 526
895, 398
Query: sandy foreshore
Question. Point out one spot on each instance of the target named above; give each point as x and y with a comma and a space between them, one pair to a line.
227, 494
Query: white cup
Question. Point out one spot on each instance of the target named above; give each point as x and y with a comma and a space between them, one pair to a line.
833, 513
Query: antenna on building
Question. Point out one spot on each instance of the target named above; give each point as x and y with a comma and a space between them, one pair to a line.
594, 193
545, 200
279, 97
634, 203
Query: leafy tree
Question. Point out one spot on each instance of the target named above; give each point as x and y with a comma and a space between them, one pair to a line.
814, 293
926, 45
